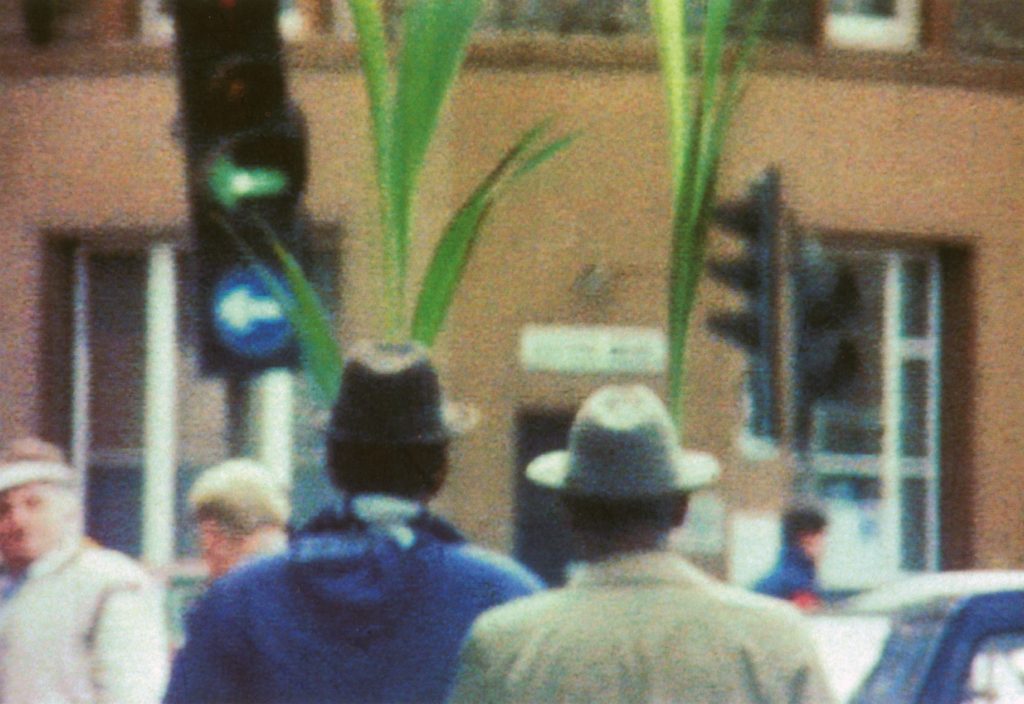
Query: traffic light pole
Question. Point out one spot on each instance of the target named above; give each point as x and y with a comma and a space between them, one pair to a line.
236, 399
259, 413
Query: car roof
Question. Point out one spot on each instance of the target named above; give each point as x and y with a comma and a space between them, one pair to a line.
933, 586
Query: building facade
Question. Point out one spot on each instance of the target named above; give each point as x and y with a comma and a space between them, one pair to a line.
902, 158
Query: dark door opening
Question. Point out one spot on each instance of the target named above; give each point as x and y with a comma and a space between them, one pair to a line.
541, 534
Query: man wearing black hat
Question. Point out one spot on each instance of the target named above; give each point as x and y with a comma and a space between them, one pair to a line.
636, 623
374, 596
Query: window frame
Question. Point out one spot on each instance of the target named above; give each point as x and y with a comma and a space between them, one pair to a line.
891, 468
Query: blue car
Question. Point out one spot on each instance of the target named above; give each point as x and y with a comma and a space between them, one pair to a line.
937, 638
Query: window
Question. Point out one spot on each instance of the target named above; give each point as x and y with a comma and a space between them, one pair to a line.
990, 28
157, 21
875, 447
789, 20
874, 24
117, 293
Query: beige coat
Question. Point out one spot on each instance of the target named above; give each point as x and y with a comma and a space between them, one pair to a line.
644, 628
86, 627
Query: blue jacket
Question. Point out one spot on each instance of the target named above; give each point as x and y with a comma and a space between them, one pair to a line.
353, 612
793, 578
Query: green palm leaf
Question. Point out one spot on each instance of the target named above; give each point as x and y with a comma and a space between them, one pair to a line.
404, 113
312, 326
310, 321
453, 250
434, 37
373, 58
668, 19
433, 47
698, 125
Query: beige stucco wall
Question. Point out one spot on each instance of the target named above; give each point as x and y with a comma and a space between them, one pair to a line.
876, 158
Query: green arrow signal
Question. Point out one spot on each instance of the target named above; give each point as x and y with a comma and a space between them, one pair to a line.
231, 184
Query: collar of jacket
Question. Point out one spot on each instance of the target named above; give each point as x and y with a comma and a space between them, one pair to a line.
47, 564
347, 512
654, 567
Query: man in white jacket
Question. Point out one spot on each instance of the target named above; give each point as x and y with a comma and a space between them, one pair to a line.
636, 624
78, 623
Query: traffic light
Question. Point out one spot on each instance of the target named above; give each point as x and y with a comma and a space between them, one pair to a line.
247, 166
755, 220
826, 300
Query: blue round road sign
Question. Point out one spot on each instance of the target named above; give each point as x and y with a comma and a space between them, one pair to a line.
247, 318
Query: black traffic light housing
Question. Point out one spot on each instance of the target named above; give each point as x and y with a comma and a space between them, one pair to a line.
826, 300
755, 220
247, 167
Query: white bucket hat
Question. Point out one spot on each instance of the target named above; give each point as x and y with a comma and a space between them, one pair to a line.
14, 474
623, 445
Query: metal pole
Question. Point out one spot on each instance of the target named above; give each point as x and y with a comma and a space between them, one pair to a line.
274, 405
891, 490
80, 367
237, 400
160, 440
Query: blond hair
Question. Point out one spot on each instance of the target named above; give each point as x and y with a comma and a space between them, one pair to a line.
241, 496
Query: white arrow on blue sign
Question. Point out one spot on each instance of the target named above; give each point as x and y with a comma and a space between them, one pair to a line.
247, 318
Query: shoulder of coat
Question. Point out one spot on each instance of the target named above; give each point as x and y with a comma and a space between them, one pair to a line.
500, 563
111, 567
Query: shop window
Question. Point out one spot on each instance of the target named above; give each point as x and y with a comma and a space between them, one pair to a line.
875, 447
112, 380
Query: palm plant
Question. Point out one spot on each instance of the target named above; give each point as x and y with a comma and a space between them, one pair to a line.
405, 106
702, 88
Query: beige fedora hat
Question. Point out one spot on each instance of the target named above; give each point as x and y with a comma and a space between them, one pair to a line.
623, 445
19, 473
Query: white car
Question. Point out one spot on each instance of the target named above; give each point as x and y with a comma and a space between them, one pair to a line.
935, 638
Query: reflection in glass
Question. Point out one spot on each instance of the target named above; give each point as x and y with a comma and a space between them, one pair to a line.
847, 430
916, 301
914, 414
914, 497
849, 488
880, 8
997, 671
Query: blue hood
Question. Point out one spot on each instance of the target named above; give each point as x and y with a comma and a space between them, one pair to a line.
365, 569
371, 603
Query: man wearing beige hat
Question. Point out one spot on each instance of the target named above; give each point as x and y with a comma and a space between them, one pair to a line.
241, 513
78, 623
636, 622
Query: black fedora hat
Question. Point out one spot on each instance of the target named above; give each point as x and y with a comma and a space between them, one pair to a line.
390, 395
